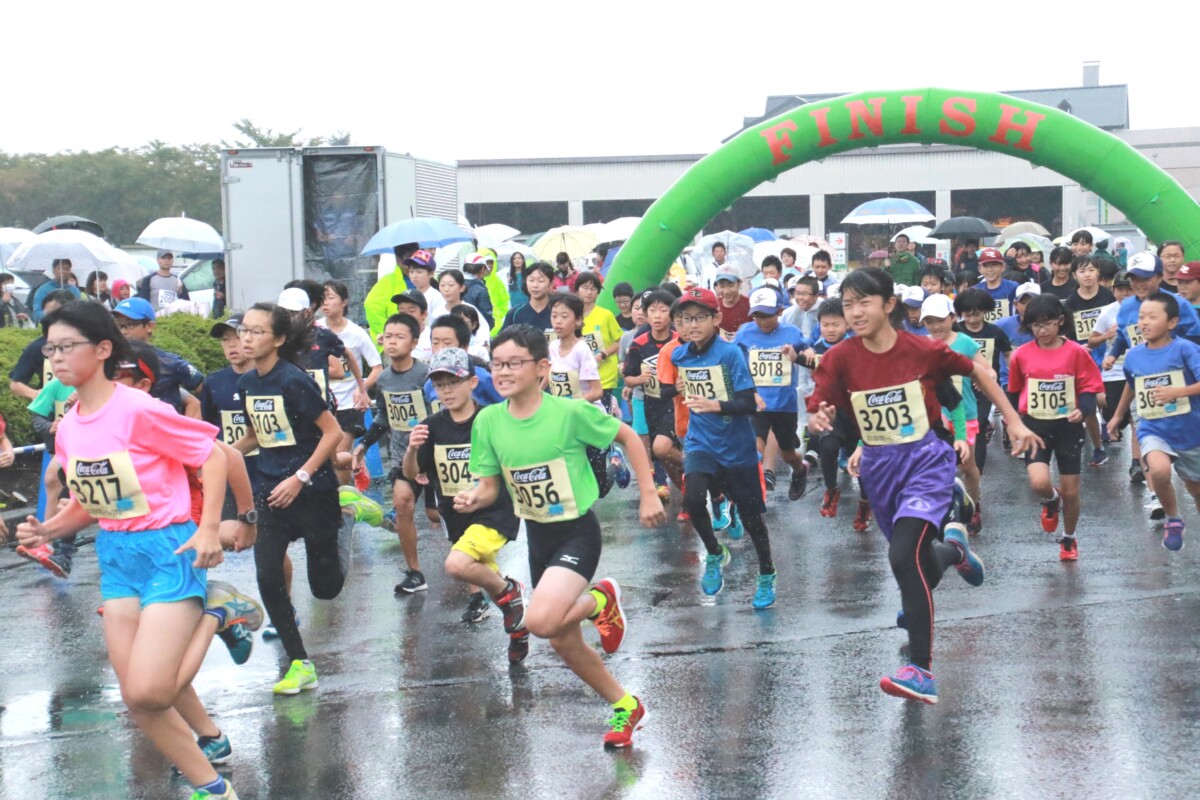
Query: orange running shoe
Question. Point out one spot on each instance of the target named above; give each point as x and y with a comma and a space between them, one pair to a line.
1068, 549
623, 724
611, 621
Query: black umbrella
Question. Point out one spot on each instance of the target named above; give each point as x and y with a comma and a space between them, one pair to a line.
963, 228
70, 222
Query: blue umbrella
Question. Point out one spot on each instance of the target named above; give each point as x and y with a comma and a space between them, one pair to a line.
888, 211
425, 231
759, 234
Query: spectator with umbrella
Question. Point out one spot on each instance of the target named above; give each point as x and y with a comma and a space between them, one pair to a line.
60, 274
905, 268
163, 287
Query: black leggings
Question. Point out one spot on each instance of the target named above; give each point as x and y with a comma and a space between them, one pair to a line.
1112, 398
695, 502
316, 518
918, 557
829, 446
985, 422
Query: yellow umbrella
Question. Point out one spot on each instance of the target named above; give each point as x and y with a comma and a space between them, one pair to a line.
575, 242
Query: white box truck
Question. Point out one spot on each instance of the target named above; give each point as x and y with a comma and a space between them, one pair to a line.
308, 212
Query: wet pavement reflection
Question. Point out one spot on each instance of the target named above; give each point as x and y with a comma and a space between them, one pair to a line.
1055, 680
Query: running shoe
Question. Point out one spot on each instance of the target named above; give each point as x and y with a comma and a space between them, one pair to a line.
976, 523
735, 530
971, 567
512, 606
215, 748
843, 461
365, 509
1007, 442
683, 516
477, 608
44, 555
623, 724
1099, 457
988, 431
862, 518
238, 607
414, 581
798, 485
769, 479
713, 580
764, 594
270, 633
911, 683
664, 492
830, 503
1050, 513
518, 647
240, 643
389, 520
1136, 473
362, 478
230, 794
1173, 536
1157, 512
1068, 549
720, 513
621, 467
901, 620
1104, 437
611, 621
301, 677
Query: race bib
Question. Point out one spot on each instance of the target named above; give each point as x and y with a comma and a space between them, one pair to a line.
1085, 321
60, 408
452, 473
565, 383
166, 297
107, 487
986, 347
595, 343
47, 372
551, 336
542, 492
1134, 334
1147, 408
652, 387
770, 368
435, 406
268, 417
318, 375
405, 410
891, 415
957, 381
1051, 398
816, 359
1003, 309
233, 427
706, 382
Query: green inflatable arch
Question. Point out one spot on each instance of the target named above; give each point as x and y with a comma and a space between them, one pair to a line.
1044, 136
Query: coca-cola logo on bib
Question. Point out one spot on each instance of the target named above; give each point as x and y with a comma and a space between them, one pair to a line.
531, 475
885, 398
94, 469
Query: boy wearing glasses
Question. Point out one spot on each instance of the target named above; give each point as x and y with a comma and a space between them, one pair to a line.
440, 448
720, 452
553, 489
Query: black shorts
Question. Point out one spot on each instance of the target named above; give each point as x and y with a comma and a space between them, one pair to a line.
574, 544
318, 512
660, 421
349, 419
744, 486
1064, 440
783, 423
397, 474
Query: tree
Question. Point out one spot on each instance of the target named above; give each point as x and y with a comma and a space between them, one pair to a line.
265, 137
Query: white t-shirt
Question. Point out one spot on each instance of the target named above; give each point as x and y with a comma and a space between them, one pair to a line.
437, 305
578, 364
1104, 323
357, 341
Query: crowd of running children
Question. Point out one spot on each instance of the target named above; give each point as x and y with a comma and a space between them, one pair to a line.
895, 385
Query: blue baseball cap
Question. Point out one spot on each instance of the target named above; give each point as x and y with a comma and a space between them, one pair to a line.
135, 308
1145, 265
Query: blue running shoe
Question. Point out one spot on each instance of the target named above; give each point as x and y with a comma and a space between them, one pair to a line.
623, 476
240, 643
216, 749
911, 683
764, 595
901, 622
843, 461
713, 580
270, 633
971, 567
1173, 536
720, 514
735, 530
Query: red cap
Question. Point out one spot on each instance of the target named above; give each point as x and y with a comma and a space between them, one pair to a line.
1189, 272
990, 254
700, 296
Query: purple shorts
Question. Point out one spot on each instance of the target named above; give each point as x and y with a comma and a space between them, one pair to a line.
909, 480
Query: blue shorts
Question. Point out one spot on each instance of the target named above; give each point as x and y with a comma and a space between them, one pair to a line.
143, 564
639, 417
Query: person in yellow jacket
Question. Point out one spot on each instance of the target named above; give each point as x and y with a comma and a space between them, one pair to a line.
497, 291
378, 305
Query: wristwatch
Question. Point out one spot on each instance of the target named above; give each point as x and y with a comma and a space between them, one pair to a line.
249, 518
303, 476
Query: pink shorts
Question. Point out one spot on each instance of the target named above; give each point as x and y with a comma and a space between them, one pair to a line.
972, 429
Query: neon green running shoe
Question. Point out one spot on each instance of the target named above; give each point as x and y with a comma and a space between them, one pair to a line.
365, 509
301, 677
230, 794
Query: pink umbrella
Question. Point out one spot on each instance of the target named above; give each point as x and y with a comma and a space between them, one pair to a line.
813, 241
878, 254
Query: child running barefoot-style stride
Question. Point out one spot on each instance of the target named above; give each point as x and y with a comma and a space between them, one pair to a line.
537, 445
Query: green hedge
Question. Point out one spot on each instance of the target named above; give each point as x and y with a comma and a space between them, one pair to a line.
184, 334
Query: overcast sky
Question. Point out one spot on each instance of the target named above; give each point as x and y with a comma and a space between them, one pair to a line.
465, 80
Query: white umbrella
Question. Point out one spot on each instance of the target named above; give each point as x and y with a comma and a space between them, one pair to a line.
11, 239
1097, 234
575, 242
1024, 227
917, 233
495, 233
804, 252
813, 241
86, 252
739, 254
182, 234
127, 268
618, 230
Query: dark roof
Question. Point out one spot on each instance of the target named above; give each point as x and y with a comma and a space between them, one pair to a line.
1106, 107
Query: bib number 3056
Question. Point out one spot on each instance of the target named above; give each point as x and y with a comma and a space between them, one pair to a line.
542, 492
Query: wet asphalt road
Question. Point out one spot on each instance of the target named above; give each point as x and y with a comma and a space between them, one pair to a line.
1073, 681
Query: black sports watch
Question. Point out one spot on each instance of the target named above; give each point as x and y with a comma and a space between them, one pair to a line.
250, 517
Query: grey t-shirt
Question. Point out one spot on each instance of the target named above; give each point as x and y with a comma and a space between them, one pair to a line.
400, 406
163, 291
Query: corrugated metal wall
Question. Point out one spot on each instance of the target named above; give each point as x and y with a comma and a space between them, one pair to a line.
437, 190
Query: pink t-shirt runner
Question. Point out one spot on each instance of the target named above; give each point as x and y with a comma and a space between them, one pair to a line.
1030, 363
579, 364
125, 463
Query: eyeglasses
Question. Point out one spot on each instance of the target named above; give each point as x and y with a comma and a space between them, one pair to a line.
690, 320
1045, 326
252, 333
512, 365
48, 350
130, 325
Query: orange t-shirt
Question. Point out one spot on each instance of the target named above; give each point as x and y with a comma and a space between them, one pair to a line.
668, 374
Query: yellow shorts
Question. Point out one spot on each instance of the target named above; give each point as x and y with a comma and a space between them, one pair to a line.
482, 544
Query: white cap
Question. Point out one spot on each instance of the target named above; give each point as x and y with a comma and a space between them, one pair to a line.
1028, 288
913, 297
294, 299
899, 289
1143, 265
764, 300
937, 305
